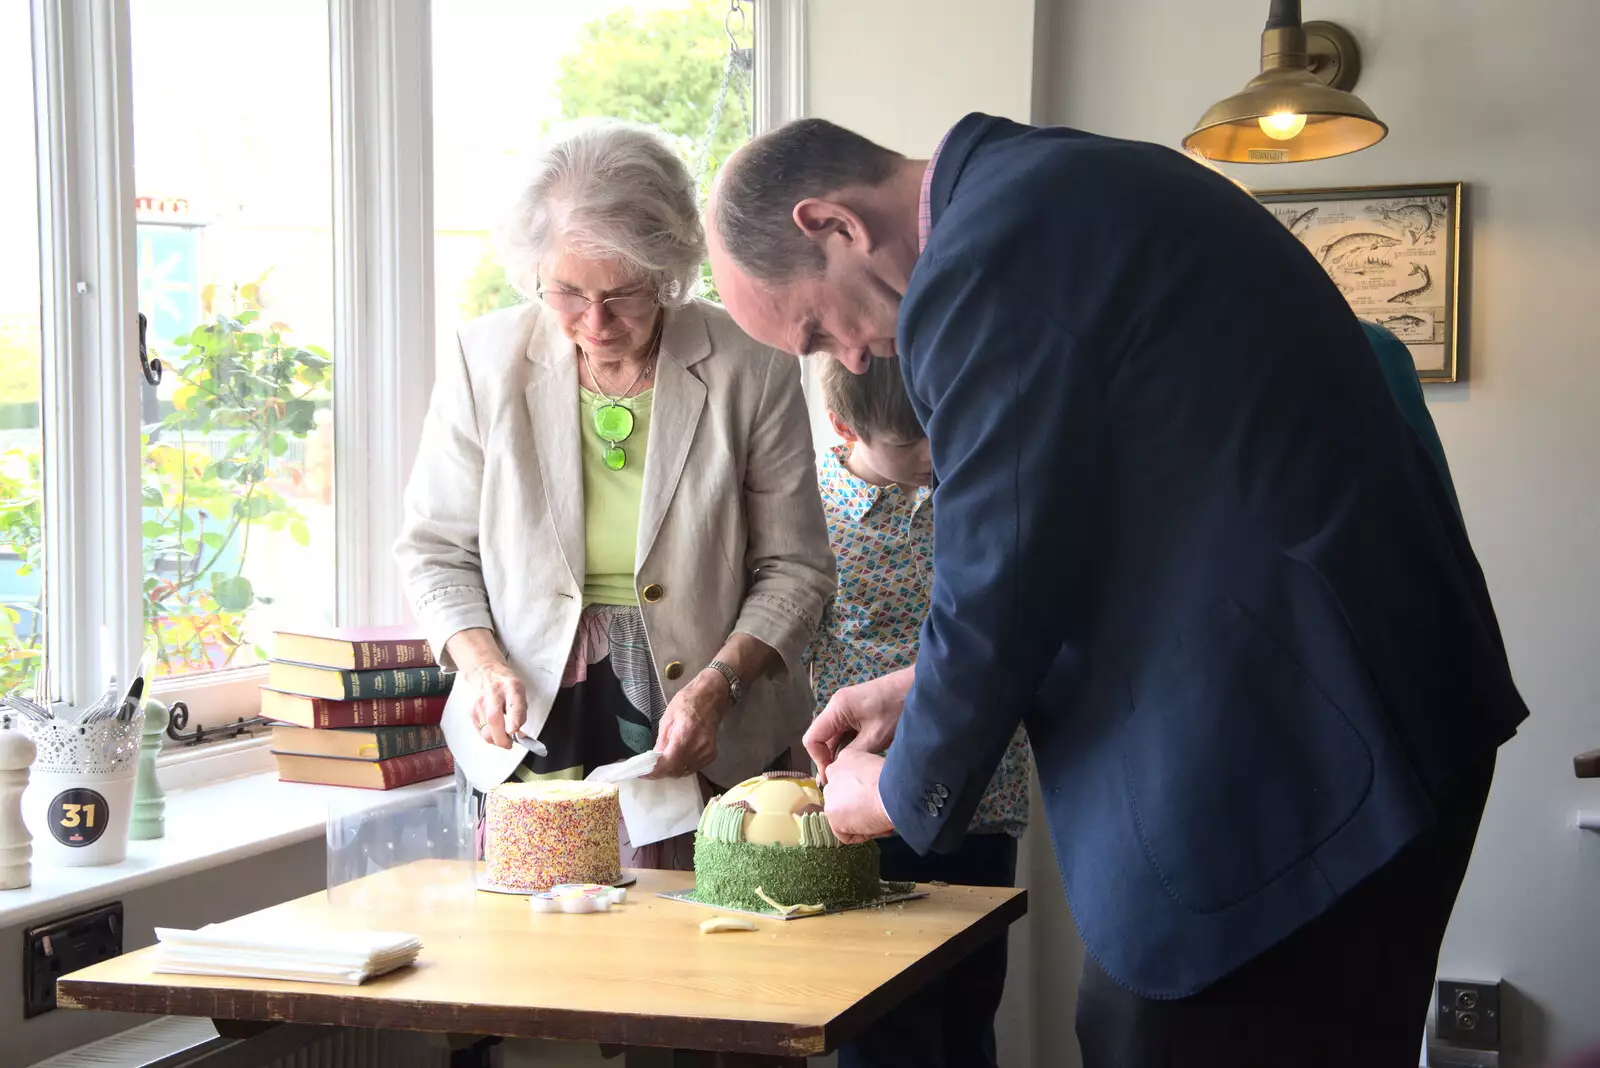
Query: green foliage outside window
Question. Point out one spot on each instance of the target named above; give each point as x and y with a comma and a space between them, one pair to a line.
245, 383
213, 470
661, 67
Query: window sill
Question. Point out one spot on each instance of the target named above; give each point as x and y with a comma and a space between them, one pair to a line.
207, 826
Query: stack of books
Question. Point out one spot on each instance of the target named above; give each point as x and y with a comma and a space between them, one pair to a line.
356, 706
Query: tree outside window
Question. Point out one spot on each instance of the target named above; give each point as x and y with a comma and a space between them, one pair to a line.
661, 65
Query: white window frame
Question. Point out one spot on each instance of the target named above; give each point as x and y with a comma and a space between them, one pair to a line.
380, 71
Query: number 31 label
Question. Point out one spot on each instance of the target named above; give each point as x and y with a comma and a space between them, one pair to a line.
78, 817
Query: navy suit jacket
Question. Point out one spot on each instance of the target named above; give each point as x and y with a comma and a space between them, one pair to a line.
1186, 534
1400, 371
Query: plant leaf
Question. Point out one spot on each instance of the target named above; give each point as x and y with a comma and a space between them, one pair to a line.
233, 594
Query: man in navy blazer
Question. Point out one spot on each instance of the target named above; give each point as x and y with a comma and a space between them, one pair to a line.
1187, 536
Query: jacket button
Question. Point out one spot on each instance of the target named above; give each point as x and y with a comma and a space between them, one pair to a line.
653, 593
941, 791
673, 670
933, 809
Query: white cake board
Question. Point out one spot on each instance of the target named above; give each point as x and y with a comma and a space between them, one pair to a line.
628, 879
882, 899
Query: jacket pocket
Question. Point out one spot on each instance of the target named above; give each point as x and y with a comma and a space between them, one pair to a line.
1237, 764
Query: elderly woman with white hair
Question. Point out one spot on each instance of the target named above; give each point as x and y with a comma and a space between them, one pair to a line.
612, 530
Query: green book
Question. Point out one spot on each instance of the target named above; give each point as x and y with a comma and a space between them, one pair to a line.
356, 743
341, 684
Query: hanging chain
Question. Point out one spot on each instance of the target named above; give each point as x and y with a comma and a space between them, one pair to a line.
737, 67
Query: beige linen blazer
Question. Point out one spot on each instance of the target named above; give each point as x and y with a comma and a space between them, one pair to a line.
731, 527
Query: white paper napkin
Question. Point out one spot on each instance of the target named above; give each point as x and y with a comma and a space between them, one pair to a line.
653, 809
246, 949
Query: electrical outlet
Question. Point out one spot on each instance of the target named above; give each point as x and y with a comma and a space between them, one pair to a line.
1468, 1013
63, 946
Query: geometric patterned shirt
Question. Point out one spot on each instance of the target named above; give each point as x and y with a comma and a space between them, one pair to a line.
882, 540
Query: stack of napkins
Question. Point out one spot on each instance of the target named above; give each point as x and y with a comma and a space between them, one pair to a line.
252, 951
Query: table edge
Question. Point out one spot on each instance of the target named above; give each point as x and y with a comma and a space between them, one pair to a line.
571, 1025
769, 1038
993, 924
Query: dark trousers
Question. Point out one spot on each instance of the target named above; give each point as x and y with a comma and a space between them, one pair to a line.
1351, 988
950, 1023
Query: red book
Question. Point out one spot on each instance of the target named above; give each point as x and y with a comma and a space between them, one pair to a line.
354, 648
366, 774
326, 713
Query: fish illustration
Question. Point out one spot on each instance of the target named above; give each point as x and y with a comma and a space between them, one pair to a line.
1403, 324
1371, 263
1410, 296
1414, 220
1300, 223
1335, 252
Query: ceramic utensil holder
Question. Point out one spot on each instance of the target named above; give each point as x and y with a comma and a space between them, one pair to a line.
79, 800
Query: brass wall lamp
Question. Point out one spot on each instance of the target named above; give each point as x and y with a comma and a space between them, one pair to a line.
1300, 106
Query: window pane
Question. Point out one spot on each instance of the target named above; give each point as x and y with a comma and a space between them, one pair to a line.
21, 439
232, 163
505, 71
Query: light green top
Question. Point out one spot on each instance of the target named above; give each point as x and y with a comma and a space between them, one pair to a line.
611, 503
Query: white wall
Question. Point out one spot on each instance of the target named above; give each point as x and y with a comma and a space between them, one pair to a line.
1500, 96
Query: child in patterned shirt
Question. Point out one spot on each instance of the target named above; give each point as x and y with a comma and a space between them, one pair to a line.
875, 490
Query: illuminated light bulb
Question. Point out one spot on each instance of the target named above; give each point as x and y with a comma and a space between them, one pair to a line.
1282, 125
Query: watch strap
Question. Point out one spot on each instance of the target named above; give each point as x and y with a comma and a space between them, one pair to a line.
735, 686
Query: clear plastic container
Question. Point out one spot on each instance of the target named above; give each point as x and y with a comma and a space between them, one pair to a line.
414, 851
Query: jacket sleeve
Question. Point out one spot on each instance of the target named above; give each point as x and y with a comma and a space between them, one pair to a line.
437, 550
787, 553
1012, 410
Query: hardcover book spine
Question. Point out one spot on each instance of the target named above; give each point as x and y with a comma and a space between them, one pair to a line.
378, 712
408, 740
416, 767
398, 682
389, 655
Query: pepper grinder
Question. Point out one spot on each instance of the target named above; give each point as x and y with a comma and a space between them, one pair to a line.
16, 844
149, 802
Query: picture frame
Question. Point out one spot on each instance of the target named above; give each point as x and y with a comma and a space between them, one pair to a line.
1394, 251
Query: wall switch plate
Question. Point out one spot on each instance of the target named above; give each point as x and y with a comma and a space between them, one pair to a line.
1468, 1013
63, 946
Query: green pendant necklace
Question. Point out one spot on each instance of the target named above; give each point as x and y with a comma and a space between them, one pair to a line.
613, 421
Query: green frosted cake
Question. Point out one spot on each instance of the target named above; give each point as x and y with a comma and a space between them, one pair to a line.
766, 846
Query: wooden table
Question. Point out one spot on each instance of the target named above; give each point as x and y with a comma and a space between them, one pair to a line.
640, 975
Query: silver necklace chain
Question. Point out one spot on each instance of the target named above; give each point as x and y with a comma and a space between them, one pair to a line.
649, 362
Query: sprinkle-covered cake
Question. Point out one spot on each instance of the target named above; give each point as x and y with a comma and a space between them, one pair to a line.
765, 845
545, 833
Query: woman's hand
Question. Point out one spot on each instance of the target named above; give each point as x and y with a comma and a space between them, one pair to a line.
687, 740
499, 703
863, 717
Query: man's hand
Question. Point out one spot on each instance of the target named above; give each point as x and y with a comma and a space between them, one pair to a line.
854, 810
687, 740
869, 711
499, 703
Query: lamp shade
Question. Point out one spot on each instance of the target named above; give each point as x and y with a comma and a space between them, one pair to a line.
1287, 113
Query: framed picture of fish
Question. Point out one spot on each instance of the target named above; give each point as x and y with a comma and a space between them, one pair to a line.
1394, 252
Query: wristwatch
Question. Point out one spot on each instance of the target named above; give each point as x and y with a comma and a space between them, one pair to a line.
735, 687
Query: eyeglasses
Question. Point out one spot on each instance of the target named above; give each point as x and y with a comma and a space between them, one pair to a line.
629, 306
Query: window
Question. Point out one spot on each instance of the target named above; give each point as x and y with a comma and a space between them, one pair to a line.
235, 260
256, 183
664, 62
22, 588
